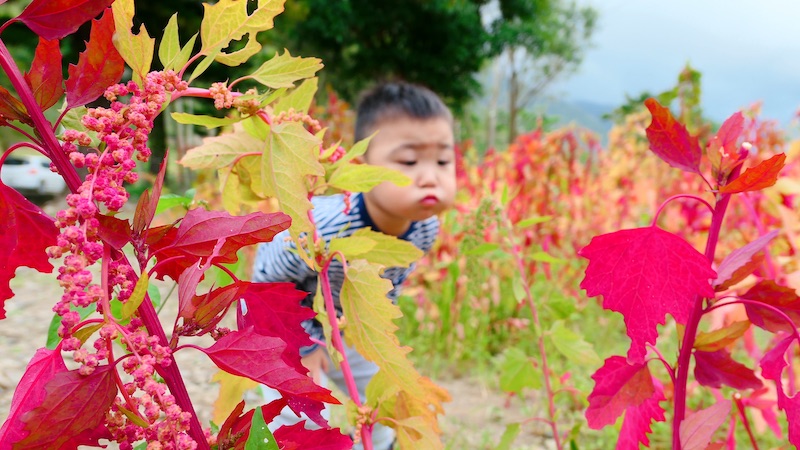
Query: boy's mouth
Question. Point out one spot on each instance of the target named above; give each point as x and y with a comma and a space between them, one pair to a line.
429, 200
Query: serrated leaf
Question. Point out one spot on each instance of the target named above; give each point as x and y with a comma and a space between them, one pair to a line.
730, 270
99, 66
716, 368
572, 346
517, 372
290, 157
45, 77
697, 429
299, 99
260, 437
416, 433
30, 392
389, 251
298, 437
25, 235
284, 70
55, 19
74, 404
771, 294
772, 366
757, 178
227, 20
209, 122
137, 49
363, 177
231, 391
721, 338
221, 151
644, 274
670, 140
136, 298
351, 246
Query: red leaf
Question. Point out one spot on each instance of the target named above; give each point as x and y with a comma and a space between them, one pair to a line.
148, 202
297, 437
74, 405
728, 135
261, 358
644, 274
714, 369
618, 386
113, 231
200, 230
777, 296
54, 19
698, 429
30, 393
45, 78
274, 309
756, 178
99, 66
12, 109
636, 425
201, 313
729, 271
670, 140
234, 432
25, 232
772, 365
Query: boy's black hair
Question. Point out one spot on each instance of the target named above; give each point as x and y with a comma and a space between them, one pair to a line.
397, 98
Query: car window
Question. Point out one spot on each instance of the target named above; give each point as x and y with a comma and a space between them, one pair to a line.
45, 164
14, 162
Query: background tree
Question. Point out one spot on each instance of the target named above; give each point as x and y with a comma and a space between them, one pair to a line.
536, 42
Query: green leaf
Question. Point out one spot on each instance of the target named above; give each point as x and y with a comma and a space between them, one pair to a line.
169, 201
183, 57
517, 372
260, 437
573, 346
519, 290
290, 157
155, 295
72, 120
139, 292
509, 435
221, 151
256, 128
203, 65
351, 246
531, 221
363, 177
482, 249
546, 258
299, 99
136, 49
284, 70
205, 121
227, 20
52, 332
170, 43
389, 251
358, 149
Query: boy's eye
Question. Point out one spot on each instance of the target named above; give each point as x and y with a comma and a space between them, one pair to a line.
408, 162
444, 162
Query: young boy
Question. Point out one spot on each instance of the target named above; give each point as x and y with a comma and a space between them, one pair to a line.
415, 136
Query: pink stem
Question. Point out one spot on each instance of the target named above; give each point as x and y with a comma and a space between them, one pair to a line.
676, 197
740, 406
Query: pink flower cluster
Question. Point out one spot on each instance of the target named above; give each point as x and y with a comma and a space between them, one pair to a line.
291, 115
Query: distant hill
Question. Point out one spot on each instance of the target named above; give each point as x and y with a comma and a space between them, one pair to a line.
582, 113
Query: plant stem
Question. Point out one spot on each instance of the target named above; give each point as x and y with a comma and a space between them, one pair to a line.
551, 406
336, 338
685, 355
738, 400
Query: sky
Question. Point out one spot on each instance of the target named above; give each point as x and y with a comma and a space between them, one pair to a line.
746, 50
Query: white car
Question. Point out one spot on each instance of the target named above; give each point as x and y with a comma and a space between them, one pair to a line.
31, 175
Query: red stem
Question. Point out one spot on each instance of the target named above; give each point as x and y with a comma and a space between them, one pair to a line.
676, 197
690, 334
551, 405
740, 406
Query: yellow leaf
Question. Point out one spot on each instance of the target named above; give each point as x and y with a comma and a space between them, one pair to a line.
299, 99
170, 44
221, 151
363, 177
290, 157
231, 391
719, 339
351, 246
237, 194
388, 251
227, 20
416, 433
136, 49
86, 332
136, 298
284, 70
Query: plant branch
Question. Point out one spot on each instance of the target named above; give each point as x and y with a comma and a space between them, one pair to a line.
679, 196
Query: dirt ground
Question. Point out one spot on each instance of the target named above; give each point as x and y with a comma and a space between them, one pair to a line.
475, 419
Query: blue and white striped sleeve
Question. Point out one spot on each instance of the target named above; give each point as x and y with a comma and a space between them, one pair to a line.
278, 261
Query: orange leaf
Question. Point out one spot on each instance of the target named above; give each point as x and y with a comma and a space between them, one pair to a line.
756, 178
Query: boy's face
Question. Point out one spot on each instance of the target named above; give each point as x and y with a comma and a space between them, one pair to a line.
424, 151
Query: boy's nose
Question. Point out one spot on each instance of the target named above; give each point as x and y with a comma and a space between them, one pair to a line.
426, 178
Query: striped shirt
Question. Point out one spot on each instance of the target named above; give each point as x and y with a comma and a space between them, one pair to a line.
278, 260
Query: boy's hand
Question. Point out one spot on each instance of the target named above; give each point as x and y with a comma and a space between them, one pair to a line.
316, 362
